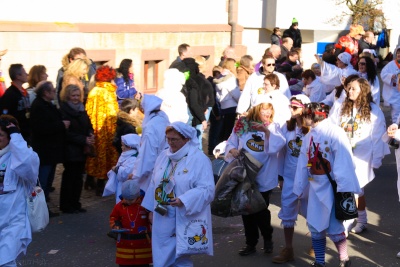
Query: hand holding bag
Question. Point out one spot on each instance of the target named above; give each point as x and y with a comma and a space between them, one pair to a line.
345, 202
38, 212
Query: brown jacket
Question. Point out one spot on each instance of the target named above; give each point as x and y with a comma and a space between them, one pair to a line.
243, 74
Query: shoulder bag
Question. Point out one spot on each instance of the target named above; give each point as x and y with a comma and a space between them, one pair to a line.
345, 202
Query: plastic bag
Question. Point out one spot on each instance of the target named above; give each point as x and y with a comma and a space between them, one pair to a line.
38, 212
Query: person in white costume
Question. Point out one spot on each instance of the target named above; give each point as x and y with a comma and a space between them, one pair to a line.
152, 140
294, 131
367, 70
332, 75
182, 185
276, 98
393, 132
19, 166
364, 124
325, 139
174, 102
254, 84
123, 170
258, 134
391, 87
314, 89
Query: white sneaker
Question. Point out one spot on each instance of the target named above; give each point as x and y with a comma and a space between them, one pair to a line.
360, 227
398, 255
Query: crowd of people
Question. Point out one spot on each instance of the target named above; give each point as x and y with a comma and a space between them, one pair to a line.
147, 150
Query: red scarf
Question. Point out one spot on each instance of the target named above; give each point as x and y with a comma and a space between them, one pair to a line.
23, 91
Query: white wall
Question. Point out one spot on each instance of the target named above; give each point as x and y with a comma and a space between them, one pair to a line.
120, 11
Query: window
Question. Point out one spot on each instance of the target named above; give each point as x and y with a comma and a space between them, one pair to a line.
151, 71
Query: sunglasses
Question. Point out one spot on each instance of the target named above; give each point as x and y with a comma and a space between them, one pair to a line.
270, 64
294, 107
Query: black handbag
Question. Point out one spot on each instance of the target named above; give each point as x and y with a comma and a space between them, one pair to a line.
345, 202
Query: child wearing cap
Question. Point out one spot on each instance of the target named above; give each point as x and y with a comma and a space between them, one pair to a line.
123, 170
131, 222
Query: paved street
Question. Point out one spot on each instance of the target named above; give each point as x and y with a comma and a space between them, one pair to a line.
80, 239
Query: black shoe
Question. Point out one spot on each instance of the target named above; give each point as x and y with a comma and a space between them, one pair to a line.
53, 214
268, 247
346, 263
316, 264
247, 250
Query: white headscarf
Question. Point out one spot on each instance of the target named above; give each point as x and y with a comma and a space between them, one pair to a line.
131, 140
188, 132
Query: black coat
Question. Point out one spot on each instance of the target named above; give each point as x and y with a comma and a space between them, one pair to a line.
48, 132
295, 35
76, 134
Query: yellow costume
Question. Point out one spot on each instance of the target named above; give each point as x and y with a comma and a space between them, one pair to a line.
102, 108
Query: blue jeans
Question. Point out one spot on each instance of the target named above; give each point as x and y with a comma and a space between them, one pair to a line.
46, 177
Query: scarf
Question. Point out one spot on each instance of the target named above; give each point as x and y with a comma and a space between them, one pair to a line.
178, 154
76, 107
4, 150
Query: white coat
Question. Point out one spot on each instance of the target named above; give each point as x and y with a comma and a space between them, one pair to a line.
251, 90
227, 90
315, 91
264, 150
194, 186
368, 147
332, 75
152, 141
21, 165
390, 94
338, 153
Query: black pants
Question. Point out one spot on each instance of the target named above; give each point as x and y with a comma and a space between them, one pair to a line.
260, 220
228, 122
71, 185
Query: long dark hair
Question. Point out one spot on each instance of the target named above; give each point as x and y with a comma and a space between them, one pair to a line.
124, 68
371, 69
291, 124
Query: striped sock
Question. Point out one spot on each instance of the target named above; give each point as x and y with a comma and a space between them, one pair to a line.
341, 247
319, 246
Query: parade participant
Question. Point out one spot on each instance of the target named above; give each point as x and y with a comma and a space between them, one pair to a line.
390, 90
314, 89
152, 140
258, 134
131, 223
19, 172
293, 131
102, 108
366, 69
364, 124
180, 191
325, 139
254, 85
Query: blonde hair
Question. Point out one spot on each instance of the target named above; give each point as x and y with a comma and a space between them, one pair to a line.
201, 61
75, 68
230, 64
254, 113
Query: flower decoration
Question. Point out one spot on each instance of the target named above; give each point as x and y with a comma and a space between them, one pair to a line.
242, 126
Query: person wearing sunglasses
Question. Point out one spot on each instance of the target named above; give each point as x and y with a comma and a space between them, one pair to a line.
324, 141
294, 131
254, 85
367, 69
364, 124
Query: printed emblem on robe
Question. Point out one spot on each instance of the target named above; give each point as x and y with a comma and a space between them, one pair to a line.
196, 234
256, 144
351, 125
317, 167
294, 146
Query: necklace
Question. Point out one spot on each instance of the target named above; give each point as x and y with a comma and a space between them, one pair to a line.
132, 223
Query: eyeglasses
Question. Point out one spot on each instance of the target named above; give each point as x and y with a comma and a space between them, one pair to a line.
270, 64
172, 140
362, 63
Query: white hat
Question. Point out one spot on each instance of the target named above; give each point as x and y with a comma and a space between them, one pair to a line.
264, 98
303, 98
130, 189
131, 140
345, 58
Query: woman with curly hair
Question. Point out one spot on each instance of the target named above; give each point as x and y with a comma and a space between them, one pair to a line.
364, 123
259, 135
124, 81
102, 108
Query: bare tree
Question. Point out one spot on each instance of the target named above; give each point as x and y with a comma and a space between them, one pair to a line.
364, 12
